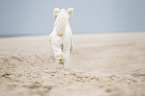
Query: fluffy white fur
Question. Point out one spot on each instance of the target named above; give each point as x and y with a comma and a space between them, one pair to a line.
61, 36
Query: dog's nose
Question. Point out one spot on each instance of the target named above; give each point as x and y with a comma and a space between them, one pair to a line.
60, 61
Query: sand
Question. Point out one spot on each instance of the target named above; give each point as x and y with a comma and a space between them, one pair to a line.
101, 65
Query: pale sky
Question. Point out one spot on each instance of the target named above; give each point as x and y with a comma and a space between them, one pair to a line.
35, 17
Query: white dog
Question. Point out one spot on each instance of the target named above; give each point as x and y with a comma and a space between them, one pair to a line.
61, 37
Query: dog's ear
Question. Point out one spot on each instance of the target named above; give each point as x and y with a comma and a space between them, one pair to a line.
70, 11
56, 11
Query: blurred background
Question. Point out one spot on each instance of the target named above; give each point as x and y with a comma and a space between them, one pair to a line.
35, 17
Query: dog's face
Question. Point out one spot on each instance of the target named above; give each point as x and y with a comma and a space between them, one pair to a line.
60, 59
58, 12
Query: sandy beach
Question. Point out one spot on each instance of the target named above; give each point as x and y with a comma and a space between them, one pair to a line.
101, 65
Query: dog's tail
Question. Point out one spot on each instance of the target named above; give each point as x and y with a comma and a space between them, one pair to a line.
61, 24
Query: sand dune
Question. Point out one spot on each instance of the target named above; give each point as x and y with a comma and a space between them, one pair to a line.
101, 65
